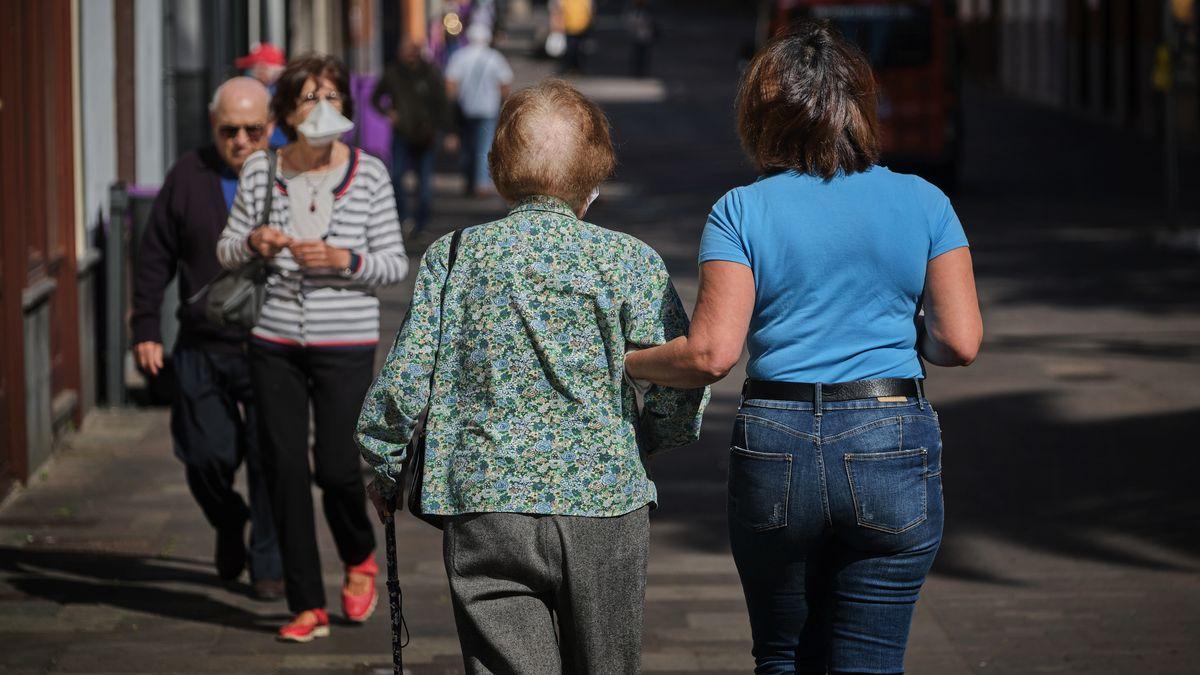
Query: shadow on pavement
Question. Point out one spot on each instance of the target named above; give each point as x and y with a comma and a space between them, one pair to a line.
1076, 268
1119, 491
127, 582
1116, 490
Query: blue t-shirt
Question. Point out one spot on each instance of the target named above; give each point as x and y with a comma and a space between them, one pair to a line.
229, 184
839, 269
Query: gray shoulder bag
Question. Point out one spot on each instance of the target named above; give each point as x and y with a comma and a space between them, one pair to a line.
235, 297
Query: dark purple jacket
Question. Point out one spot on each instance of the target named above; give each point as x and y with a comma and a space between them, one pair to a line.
185, 224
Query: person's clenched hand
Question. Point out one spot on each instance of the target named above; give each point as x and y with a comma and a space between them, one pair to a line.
268, 241
384, 507
149, 356
319, 255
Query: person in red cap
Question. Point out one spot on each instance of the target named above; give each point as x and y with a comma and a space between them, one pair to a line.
264, 63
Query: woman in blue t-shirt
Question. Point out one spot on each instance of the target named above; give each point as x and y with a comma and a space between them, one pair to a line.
840, 275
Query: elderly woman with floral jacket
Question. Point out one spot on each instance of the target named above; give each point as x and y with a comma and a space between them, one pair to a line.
535, 441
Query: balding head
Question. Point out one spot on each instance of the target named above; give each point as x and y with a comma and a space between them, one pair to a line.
240, 93
551, 140
240, 115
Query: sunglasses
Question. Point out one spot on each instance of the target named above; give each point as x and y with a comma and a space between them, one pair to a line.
253, 131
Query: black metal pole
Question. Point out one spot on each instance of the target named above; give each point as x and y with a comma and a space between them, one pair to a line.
394, 597
114, 300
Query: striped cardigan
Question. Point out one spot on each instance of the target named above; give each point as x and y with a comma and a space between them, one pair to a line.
322, 308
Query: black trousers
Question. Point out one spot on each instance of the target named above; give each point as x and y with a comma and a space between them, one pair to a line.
335, 381
213, 426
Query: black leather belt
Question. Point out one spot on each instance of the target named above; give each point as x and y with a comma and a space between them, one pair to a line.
845, 391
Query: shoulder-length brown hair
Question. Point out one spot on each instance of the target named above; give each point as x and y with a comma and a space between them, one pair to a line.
291, 83
808, 103
551, 140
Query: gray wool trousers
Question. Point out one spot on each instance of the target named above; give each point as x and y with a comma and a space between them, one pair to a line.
543, 595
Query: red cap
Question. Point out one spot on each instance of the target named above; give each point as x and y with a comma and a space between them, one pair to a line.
264, 53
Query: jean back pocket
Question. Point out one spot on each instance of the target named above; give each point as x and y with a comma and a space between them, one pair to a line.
759, 487
888, 488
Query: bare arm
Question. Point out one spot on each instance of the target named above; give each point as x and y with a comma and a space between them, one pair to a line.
714, 343
952, 329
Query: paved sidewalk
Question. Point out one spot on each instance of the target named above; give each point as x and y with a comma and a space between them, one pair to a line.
1070, 472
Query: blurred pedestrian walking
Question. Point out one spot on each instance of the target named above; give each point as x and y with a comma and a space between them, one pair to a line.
643, 32
332, 237
265, 63
535, 443
419, 112
479, 78
835, 492
213, 411
577, 25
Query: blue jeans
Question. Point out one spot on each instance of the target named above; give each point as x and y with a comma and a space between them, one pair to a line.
477, 141
835, 517
408, 157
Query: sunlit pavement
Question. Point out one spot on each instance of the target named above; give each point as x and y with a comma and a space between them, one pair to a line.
1070, 462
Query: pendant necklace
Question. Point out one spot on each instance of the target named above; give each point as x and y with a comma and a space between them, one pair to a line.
313, 186
312, 191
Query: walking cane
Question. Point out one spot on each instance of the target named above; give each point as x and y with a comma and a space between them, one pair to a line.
394, 597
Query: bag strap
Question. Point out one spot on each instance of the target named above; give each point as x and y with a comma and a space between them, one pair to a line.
454, 240
442, 304
263, 219
272, 166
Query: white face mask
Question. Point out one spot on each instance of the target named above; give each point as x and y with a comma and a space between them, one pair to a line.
592, 198
324, 124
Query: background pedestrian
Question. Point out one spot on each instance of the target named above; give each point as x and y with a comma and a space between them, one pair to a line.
332, 239
577, 25
416, 105
643, 32
213, 411
479, 78
265, 63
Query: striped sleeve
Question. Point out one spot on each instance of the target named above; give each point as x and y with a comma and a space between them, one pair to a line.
233, 248
385, 261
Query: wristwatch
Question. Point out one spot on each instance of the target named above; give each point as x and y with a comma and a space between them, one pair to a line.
351, 266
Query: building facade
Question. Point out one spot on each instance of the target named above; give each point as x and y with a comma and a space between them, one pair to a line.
1101, 58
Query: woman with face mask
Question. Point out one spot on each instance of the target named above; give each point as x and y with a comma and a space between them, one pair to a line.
331, 238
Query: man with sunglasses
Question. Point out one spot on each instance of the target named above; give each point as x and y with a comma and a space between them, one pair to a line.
213, 411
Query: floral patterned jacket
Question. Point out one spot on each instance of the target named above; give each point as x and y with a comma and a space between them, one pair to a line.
530, 411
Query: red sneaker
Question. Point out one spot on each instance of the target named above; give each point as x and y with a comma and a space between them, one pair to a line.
358, 608
305, 630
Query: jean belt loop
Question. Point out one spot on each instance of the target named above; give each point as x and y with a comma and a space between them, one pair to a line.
742, 399
920, 392
817, 399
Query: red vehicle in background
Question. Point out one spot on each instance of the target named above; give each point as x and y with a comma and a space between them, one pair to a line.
913, 48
